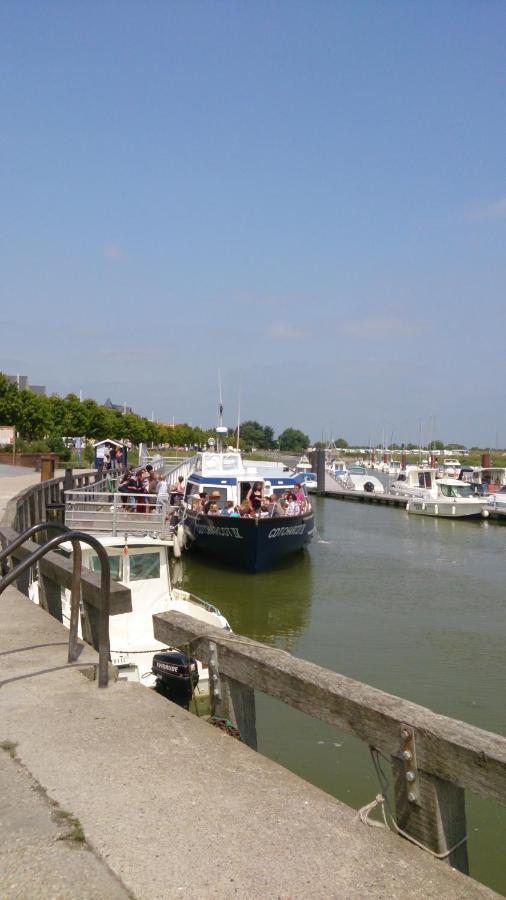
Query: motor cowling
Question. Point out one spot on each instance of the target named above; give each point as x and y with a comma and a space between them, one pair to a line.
171, 668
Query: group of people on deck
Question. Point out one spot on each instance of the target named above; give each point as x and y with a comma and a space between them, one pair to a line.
145, 490
257, 503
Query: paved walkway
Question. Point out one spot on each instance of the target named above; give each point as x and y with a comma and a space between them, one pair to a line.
13, 480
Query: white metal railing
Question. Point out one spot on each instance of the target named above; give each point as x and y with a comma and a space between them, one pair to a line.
116, 513
174, 468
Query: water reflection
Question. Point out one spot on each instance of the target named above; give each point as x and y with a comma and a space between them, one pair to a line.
272, 607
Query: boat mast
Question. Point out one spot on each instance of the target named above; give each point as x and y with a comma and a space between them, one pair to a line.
238, 419
221, 429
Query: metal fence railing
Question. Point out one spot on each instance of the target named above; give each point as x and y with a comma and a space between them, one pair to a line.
117, 513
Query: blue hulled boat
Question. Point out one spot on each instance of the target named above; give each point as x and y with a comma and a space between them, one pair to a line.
254, 542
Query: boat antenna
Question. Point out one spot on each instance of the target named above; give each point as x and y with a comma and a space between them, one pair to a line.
221, 399
221, 429
238, 418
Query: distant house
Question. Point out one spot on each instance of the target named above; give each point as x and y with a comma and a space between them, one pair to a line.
21, 382
120, 407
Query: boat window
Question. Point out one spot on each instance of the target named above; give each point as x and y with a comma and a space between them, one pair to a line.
424, 479
144, 566
114, 565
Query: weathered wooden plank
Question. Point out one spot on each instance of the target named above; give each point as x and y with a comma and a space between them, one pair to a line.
59, 569
50, 597
237, 703
451, 750
32, 517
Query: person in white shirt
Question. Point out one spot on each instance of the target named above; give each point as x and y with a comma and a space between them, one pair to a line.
162, 495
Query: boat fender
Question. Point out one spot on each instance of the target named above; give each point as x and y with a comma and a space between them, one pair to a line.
485, 513
369, 487
180, 536
176, 547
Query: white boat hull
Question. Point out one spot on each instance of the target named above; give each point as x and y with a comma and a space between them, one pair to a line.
447, 509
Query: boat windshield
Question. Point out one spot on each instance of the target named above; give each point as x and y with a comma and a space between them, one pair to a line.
456, 490
141, 566
115, 565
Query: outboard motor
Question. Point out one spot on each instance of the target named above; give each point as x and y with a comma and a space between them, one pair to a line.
171, 669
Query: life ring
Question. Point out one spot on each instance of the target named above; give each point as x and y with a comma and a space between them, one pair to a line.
369, 487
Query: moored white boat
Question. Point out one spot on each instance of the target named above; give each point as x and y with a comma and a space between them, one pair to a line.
357, 478
139, 559
448, 498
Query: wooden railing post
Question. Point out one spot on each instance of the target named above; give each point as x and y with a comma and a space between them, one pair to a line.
438, 819
230, 699
50, 596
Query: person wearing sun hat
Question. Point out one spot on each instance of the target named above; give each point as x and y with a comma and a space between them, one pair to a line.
214, 498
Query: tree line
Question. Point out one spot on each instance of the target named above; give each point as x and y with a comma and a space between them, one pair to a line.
45, 421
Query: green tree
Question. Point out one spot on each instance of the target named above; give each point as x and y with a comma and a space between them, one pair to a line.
33, 418
59, 416
293, 440
136, 429
9, 402
252, 434
341, 443
79, 416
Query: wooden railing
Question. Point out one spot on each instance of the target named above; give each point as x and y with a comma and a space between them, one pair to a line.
434, 758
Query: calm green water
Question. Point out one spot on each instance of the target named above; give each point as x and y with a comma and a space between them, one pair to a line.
412, 605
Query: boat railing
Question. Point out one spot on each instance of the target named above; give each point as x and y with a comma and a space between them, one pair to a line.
173, 468
118, 513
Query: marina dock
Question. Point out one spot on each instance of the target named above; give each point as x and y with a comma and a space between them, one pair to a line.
132, 796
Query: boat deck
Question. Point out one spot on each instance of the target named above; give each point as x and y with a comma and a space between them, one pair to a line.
100, 511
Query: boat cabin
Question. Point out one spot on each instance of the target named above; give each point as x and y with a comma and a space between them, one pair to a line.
451, 487
224, 476
415, 477
357, 469
489, 480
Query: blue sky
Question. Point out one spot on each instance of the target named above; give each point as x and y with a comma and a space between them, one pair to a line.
308, 196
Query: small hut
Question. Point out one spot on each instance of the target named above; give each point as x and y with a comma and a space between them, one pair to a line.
106, 454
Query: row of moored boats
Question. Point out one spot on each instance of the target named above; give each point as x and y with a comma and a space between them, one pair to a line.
450, 491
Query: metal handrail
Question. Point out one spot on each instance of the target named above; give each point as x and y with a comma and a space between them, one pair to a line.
105, 584
75, 592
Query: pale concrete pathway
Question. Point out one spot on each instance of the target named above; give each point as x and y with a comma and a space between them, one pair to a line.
173, 807
12, 484
41, 853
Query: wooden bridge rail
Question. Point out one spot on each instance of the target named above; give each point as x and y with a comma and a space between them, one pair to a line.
447, 756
